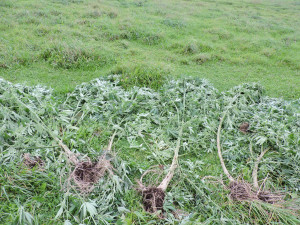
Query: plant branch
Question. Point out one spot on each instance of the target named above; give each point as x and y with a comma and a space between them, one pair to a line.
255, 168
219, 149
164, 184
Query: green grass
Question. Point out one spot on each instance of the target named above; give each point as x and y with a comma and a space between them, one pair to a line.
61, 43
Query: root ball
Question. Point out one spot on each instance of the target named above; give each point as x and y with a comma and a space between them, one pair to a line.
87, 173
153, 199
270, 197
241, 191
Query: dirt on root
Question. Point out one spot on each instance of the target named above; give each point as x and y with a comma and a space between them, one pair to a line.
153, 199
33, 161
270, 197
87, 173
243, 191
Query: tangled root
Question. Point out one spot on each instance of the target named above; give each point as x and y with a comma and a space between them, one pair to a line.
153, 199
270, 197
87, 173
33, 161
243, 191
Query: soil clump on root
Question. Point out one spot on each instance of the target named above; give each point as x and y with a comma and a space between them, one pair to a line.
244, 127
244, 191
87, 173
153, 199
241, 190
269, 197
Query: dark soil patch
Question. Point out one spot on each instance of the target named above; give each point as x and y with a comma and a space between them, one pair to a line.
88, 173
153, 199
243, 191
244, 127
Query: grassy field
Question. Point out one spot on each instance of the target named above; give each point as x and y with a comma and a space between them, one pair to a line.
61, 43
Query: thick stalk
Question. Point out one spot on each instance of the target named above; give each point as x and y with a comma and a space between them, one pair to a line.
255, 168
111, 142
219, 149
164, 184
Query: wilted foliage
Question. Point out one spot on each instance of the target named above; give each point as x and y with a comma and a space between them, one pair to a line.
146, 125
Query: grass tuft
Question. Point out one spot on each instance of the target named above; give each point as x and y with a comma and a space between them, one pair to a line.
71, 57
141, 76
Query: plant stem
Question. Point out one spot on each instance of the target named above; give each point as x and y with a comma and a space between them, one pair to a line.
219, 149
255, 168
164, 184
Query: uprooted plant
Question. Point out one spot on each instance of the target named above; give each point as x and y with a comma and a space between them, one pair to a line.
147, 126
86, 173
241, 190
153, 197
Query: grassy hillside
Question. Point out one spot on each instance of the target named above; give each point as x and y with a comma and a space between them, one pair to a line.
62, 43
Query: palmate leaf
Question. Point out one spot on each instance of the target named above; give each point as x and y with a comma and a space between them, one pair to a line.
88, 207
260, 140
67, 222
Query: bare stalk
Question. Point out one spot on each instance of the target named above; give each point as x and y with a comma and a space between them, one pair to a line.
111, 142
255, 168
164, 184
72, 157
219, 149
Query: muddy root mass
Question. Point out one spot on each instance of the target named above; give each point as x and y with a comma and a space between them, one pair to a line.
270, 197
243, 191
88, 173
153, 199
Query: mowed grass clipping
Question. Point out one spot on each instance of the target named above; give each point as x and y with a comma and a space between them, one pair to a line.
62, 43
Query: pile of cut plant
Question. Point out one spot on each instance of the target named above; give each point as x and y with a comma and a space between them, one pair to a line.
183, 154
